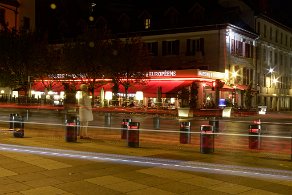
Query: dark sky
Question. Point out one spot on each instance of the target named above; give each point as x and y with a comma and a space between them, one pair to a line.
282, 9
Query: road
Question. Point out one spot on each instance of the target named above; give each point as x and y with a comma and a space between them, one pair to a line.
233, 131
160, 155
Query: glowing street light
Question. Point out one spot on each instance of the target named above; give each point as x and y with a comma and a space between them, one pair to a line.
234, 74
53, 6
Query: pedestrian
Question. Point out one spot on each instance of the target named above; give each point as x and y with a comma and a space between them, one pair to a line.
85, 111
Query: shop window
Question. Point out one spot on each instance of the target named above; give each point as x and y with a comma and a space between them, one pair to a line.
170, 47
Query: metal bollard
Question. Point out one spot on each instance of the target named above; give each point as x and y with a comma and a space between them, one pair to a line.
254, 136
207, 139
215, 123
107, 119
133, 134
124, 128
156, 122
16, 125
185, 129
71, 129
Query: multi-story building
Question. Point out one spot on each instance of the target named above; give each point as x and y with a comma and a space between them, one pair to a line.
225, 37
274, 63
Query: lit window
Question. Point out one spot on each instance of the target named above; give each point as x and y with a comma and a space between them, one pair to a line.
147, 23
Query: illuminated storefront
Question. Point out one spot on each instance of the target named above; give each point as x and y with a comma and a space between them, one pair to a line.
161, 88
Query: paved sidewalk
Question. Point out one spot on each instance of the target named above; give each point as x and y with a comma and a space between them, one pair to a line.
26, 171
23, 171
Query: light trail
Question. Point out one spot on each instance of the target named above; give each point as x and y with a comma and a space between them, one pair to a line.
192, 166
159, 131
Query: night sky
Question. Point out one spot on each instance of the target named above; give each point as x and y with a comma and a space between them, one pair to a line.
282, 9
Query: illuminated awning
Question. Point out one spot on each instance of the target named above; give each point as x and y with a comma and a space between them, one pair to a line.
241, 87
169, 87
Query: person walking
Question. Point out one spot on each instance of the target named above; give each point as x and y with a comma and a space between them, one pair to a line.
85, 111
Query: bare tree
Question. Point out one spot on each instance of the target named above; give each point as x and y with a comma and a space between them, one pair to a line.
22, 56
129, 63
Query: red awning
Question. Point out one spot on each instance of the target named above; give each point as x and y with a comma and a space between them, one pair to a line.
227, 88
150, 89
241, 87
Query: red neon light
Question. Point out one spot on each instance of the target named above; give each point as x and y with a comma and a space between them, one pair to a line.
254, 130
133, 127
71, 124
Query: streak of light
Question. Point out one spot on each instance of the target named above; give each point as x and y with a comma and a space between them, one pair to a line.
163, 163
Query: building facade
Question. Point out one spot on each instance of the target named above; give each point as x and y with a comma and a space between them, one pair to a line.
274, 64
230, 37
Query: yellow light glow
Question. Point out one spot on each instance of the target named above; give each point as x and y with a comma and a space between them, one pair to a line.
91, 44
53, 6
275, 80
108, 95
139, 95
234, 74
91, 18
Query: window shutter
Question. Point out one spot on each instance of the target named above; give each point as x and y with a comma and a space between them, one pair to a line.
163, 48
202, 47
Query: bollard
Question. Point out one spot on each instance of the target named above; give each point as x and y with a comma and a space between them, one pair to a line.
107, 119
207, 139
254, 136
71, 128
185, 129
215, 123
124, 128
156, 122
133, 134
16, 125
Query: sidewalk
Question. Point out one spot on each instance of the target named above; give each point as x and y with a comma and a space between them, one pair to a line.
89, 167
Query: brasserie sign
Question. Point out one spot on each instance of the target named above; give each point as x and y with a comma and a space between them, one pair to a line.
165, 73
